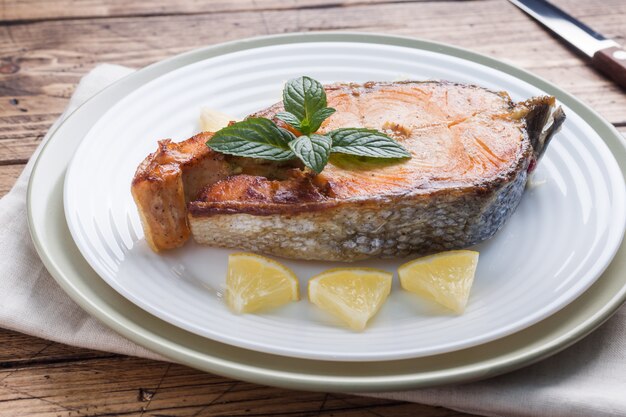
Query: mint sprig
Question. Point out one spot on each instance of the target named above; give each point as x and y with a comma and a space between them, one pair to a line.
366, 142
313, 150
255, 137
306, 108
303, 97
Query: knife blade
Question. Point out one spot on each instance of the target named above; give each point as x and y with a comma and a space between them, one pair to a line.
606, 55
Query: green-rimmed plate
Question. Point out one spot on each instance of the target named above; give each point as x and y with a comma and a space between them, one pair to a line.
62, 258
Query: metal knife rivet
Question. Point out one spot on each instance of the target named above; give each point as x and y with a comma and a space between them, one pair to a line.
619, 54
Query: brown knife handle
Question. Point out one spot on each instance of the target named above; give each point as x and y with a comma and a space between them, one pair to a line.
612, 62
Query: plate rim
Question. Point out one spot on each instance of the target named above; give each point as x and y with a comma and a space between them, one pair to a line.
66, 281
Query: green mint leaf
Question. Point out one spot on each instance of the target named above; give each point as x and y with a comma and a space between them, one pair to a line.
254, 138
290, 119
319, 116
366, 142
302, 97
313, 150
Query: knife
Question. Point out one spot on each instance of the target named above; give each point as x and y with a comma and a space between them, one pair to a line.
605, 54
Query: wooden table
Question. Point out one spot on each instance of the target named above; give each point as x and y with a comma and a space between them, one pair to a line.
46, 46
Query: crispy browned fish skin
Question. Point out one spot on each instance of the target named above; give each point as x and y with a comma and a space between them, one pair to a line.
471, 151
164, 182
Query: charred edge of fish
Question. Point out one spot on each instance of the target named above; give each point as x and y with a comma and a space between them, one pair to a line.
543, 121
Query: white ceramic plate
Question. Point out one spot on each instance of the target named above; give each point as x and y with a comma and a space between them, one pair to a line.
563, 235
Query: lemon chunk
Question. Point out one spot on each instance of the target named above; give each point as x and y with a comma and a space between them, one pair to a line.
256, 283
213, 120
445, 278
354, 295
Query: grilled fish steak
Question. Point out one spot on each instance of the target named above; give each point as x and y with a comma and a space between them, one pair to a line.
471, 149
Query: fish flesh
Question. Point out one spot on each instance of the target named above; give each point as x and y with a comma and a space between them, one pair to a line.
471, 152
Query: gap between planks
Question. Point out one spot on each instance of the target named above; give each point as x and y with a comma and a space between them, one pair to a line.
20, 12
24, 11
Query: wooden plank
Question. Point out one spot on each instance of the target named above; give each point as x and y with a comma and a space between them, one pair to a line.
43, 61
24, 121
20, 351
99, 384
32, 10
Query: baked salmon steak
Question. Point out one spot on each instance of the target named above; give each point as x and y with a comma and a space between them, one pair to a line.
471, 151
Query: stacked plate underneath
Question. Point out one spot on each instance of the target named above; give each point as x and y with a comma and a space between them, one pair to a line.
547, 279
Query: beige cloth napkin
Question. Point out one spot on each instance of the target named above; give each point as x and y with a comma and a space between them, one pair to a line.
588, 379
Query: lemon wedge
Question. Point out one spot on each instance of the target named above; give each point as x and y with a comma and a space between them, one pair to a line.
213, 120
256, 283
354, 295
445, 278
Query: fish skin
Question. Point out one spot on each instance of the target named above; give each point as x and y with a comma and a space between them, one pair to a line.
386, 227
342, 214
